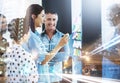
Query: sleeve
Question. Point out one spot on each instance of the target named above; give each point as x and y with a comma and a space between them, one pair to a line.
36, 46
62, 55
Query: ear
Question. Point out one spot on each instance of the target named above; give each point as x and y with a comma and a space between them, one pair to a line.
33, 16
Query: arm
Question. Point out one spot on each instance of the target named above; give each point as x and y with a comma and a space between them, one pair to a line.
35, 47
63, 54
50, 55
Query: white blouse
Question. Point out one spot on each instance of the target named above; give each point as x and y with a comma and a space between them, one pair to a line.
20, 67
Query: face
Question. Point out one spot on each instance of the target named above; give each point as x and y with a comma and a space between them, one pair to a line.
114, 21
3, 24
51, 21
11, 26
39, 19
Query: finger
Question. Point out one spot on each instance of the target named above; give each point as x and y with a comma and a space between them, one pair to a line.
66, 35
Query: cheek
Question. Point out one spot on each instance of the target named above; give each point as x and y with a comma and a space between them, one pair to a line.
4, 26
40, 21
37, 23
55, 24
43, 19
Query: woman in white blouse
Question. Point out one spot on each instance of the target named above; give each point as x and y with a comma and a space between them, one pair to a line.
20, 67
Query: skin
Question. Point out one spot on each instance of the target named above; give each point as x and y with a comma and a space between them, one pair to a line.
25, 38
39, 19
3, 24
50, 24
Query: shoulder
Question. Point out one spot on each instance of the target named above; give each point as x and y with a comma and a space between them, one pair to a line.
34, 37
59, 33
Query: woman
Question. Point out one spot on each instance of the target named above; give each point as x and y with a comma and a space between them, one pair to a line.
20, 66
34, 18
111, 61
3, 41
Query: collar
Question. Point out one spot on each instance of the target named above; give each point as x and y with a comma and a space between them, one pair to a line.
44, 32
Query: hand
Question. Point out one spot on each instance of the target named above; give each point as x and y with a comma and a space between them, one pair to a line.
34, 55
64, 40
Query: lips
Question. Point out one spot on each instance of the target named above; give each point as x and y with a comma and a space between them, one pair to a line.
51, 25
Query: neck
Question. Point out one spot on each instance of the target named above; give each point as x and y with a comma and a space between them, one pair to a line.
17, 42
50, 33
37, 26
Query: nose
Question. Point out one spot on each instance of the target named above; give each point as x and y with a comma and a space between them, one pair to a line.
52, 22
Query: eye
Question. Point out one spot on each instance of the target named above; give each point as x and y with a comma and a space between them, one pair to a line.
43, 15
9, 27
3, 22
54, 19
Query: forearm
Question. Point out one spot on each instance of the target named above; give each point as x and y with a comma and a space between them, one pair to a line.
50, 55
62, 55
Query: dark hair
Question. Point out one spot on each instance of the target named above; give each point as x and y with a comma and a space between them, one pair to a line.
3, 42
3, 30
32, 9
1, 15
17, 29
51, 11
114, 14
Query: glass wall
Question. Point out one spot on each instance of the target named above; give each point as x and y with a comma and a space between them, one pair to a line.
110, 39
76, 36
